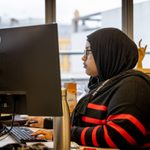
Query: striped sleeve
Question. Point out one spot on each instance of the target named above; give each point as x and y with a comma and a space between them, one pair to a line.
120, 130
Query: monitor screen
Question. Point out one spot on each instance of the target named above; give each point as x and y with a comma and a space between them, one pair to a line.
30, 71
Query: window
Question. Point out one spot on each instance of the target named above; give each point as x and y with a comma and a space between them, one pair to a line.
21, 12
77, 19
141, 27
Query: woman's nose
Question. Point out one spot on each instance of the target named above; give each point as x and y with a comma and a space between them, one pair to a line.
83, 58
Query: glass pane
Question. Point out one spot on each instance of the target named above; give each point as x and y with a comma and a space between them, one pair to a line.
21, 12
77, 19
141, 27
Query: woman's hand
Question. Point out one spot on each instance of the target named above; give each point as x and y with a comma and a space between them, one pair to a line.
43, 134
39, 122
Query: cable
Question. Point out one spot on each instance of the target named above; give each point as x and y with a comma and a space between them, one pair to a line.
4, 136
1, 125
5, 130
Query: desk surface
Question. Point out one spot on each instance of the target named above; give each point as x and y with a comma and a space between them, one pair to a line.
8, 140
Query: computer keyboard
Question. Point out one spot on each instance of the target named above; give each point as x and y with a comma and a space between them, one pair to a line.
23, 135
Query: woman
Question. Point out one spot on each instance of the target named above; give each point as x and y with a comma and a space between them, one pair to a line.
116, 111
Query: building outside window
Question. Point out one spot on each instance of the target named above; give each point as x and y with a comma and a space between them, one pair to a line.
21, 12
76, 20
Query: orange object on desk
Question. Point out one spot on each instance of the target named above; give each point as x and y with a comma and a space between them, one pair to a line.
71, 95
89, 148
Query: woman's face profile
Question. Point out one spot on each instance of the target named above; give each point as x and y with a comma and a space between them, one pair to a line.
88, 61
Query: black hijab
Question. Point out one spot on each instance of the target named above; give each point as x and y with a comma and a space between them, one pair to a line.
113, 51
115, 55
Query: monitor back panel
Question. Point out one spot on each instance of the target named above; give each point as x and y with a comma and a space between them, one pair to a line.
29, 61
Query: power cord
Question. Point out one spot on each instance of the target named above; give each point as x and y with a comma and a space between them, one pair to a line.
4, 129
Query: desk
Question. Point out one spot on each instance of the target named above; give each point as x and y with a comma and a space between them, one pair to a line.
9, 140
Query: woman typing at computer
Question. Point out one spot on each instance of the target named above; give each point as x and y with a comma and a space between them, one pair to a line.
115, 113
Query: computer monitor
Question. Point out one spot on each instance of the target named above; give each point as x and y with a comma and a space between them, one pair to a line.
30, 71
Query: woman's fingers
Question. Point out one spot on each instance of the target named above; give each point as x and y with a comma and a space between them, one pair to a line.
43, 134
38, 132
41, 137
35, 122
34, 125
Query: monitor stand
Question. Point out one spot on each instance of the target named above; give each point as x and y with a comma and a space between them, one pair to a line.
8, 102
61, 126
